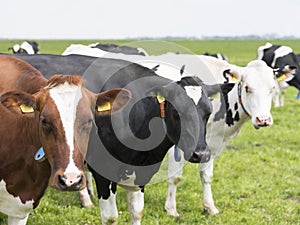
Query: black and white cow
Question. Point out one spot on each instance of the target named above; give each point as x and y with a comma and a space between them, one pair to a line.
129, 149
283, 59
27, 47
128, 50
216, 55
250, 99
98, 50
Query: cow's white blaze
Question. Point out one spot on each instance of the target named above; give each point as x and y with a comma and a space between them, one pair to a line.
66, 98
194, 92
13, 206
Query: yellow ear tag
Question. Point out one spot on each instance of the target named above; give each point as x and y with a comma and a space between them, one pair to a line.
160, 98
235, 79
26, 109
215, 96
281, 78
104, 107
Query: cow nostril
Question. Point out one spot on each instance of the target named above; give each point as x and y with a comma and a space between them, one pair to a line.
80, 177
263, 121
62, 181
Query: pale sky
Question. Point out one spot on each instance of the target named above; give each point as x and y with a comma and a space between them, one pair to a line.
116, 19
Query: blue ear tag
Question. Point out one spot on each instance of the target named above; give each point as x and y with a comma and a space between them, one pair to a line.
40, 155
177, 154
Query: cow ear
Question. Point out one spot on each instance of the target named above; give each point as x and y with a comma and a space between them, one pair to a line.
233, 75
18, 102
112, 101
217, 88
226, 88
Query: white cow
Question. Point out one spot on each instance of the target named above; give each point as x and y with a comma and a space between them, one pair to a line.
250, 99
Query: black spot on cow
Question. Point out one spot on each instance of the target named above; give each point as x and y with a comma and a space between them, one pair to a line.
237, 116
236, 106
225, 111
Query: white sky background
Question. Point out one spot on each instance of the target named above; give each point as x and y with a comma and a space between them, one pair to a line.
115, 19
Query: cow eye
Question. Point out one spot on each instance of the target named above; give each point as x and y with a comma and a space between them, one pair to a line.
45, 123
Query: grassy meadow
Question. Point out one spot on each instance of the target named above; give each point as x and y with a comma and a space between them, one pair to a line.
256, 179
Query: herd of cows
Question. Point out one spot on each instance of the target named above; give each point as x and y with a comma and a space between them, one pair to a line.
120, 110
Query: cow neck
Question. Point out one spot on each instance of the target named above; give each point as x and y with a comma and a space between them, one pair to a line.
240, 99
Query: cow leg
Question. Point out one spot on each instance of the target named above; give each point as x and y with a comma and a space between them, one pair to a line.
276, 100
108, 210
107, 191
275, 97
89, 182
16, 221
283, 86
174, 174
135, 205
85, 199
206, 174
281, 102
86, 193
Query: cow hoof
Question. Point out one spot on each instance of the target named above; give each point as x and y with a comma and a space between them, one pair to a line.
86, 203
211, 211
89, 206
172, 212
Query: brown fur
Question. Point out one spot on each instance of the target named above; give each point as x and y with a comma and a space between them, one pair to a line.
21, 134
17, 74
60, 79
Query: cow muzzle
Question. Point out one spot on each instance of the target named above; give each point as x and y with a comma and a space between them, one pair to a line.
69, 181
263, 121
200, 156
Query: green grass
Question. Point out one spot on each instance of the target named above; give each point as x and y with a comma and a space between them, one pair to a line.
256, 183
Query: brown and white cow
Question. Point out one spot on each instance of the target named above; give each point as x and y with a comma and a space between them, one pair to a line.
59, 118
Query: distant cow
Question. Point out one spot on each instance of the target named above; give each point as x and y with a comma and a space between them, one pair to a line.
27, 47
128, 50
217, 55
283, 59
56, 115
103, 49
161, 113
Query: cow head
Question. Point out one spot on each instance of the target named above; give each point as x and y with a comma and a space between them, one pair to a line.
286, 67
255, 88
187, 110
63, 115
27, 47
284, 62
